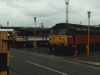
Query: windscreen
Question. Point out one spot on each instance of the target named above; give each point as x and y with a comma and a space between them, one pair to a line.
61, 31
53, 31
14, 32
58, 31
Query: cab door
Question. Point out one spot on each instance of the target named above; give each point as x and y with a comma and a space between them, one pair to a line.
73, 34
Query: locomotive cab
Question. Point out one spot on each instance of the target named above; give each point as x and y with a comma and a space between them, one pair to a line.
14, 35
58, 36
62, 33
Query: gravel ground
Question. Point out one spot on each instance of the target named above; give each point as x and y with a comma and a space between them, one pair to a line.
94, 55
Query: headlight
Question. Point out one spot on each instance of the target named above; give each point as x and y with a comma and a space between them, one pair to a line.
8, 34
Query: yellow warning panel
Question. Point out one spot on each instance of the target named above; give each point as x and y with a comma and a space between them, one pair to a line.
58, 39
13, 37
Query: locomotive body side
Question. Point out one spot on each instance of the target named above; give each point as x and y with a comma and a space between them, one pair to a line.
27, 35
82, 38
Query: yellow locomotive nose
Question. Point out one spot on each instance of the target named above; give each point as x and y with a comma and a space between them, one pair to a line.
57, 39
14, 37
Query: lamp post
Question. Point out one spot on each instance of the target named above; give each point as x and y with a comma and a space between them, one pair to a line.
35, 34
89, 12
7, 25
66, 2
42, 25
13, 27
35, 27
80, 23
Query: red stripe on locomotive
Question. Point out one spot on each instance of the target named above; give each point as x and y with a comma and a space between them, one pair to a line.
83, 39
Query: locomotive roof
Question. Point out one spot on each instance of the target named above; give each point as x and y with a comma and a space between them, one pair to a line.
72, 26
31, 28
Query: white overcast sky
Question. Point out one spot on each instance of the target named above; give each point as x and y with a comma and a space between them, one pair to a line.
48, 12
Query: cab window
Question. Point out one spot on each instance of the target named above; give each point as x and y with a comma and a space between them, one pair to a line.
53, 31
61, 31
14, 32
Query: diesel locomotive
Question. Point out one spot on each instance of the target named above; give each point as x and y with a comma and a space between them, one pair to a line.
65, 36
27, 34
